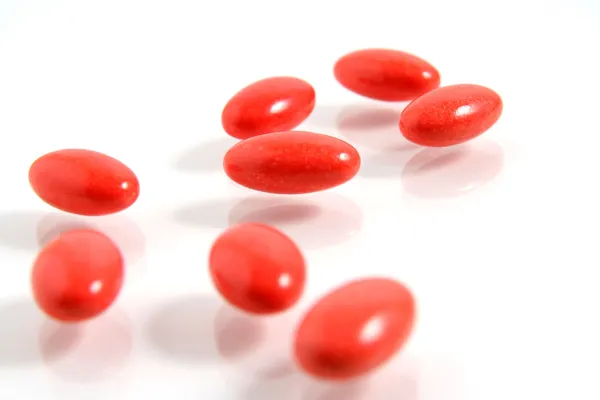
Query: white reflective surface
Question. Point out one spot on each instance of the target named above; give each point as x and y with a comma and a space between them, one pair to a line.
497, 238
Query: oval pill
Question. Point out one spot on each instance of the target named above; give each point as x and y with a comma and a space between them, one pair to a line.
257, 268
292, 162
84, 182
354, 329
269, 105
77, 276
450, 115
386, 75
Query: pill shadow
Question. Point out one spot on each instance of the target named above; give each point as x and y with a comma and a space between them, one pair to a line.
93, 351
295, 385
274, 211
17, 230
237, 334
396, 380
277, 369
374, 128
20, 323
387, 164
314, 221
401, 386
276, 388
126, 234
205, 157
205, 214
322, 119
343, 391
197, 330
452, 171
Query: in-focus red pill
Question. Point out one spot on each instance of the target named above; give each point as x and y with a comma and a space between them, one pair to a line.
291, 162
354, 329
450, 115
257, 268
269, 105
387, 75
84, 182
77, 276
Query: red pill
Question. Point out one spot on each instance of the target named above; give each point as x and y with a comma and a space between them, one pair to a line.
77, 276
269, 105
450, 115
84, 182
291, 162
257, 268
354, 329
387, 75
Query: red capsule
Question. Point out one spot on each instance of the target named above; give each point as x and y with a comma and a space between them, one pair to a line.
269, 105
257, 268
450, 115
354, 329
77, 276
84, 182
387, 75
291, 162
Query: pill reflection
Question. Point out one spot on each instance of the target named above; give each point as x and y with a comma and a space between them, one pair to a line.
90, 352
20, 322
181, 329
373, 127
313, 221
202, 329
126, 234
391, 383
236, 333
452, 171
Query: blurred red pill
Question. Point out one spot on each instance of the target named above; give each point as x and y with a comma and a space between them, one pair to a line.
84, 182
354, 329
292, 162
387, 75
257, 268
77, 276
450, 115
269, 105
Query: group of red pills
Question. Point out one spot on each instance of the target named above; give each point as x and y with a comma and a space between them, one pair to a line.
257, 268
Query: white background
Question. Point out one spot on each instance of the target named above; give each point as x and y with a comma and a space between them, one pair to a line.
496, 238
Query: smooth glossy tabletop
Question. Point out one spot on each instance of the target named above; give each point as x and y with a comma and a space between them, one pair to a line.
497, 238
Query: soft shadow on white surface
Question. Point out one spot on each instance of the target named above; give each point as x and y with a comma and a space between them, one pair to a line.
386, 164
397, 380
273, 211
20, 323
205, 157
126, 234
197, 329
452, 171
322, 119
93, 351
237, 334
364, 125
287, 387
401, 385
344, 391
373, 127
316, 221
58, 340
204, 214
277, 369
17, 230
30, 231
